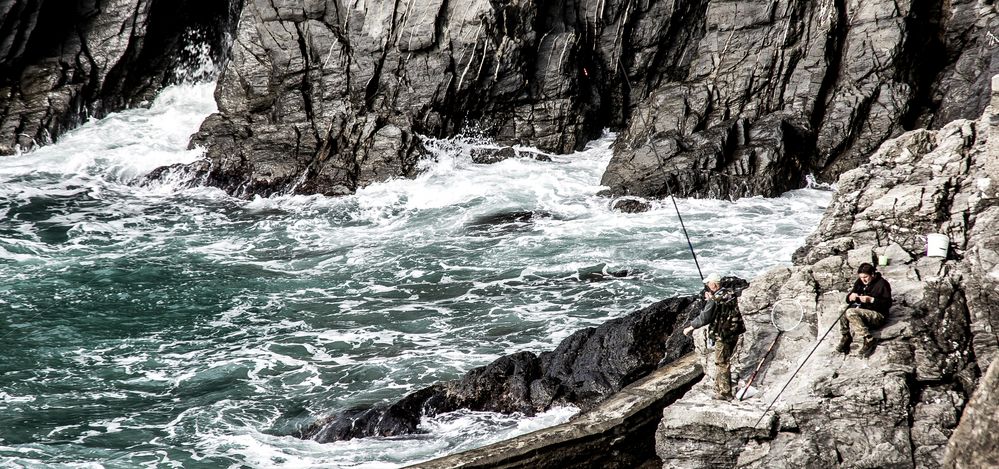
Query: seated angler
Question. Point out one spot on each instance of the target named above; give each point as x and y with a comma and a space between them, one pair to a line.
868, 301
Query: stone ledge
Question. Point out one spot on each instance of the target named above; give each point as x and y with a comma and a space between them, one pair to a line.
602, 437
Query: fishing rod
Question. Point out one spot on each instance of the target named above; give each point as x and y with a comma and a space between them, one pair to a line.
682, 226
799, 367
752, 377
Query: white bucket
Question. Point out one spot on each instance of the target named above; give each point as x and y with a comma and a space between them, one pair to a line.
937, 245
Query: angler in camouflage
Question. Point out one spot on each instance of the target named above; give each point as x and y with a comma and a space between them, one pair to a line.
721, 314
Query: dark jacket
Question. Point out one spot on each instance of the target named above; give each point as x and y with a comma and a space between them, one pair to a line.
721, 312
879, 288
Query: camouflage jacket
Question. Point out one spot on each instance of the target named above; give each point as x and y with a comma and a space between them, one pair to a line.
721, 313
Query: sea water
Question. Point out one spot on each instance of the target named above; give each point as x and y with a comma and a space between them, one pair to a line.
162, 325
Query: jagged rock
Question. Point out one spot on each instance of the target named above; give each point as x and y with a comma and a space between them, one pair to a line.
64, 61
489, 156
333, 96
899, 407
631, 205
715, 98
586, 367
774, 90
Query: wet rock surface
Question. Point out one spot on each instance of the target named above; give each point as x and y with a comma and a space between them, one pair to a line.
64, 61
585, 368
901, 406
631, 205
491, 155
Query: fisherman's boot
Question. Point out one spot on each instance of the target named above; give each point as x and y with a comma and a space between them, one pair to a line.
844, 344
870, 343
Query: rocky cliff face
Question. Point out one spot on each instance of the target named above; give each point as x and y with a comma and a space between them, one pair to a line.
713, 98
900, 407
775, 90
716, 98
328, 96
64, 61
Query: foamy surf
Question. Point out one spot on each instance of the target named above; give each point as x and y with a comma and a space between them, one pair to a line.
167, 325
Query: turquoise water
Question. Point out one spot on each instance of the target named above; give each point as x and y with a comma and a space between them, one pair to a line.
164, 326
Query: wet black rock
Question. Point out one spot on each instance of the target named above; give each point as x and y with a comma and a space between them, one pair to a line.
585, 368
600, 272
489, 155
631, 205
504, 222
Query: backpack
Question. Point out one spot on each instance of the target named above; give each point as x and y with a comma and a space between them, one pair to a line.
727, 323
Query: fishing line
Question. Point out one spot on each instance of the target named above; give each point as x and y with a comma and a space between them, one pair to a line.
666, 180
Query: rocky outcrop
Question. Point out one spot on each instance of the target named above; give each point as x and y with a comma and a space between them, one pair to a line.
716, 98
900, 407
585, 368
64, 61
328, 96
616, 434
775, 90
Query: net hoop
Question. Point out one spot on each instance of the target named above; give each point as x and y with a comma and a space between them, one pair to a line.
787, 305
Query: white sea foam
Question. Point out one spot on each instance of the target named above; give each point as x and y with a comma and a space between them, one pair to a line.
125, 145
451, 432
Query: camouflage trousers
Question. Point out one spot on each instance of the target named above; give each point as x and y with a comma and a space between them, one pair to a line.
723, 367
859, 320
